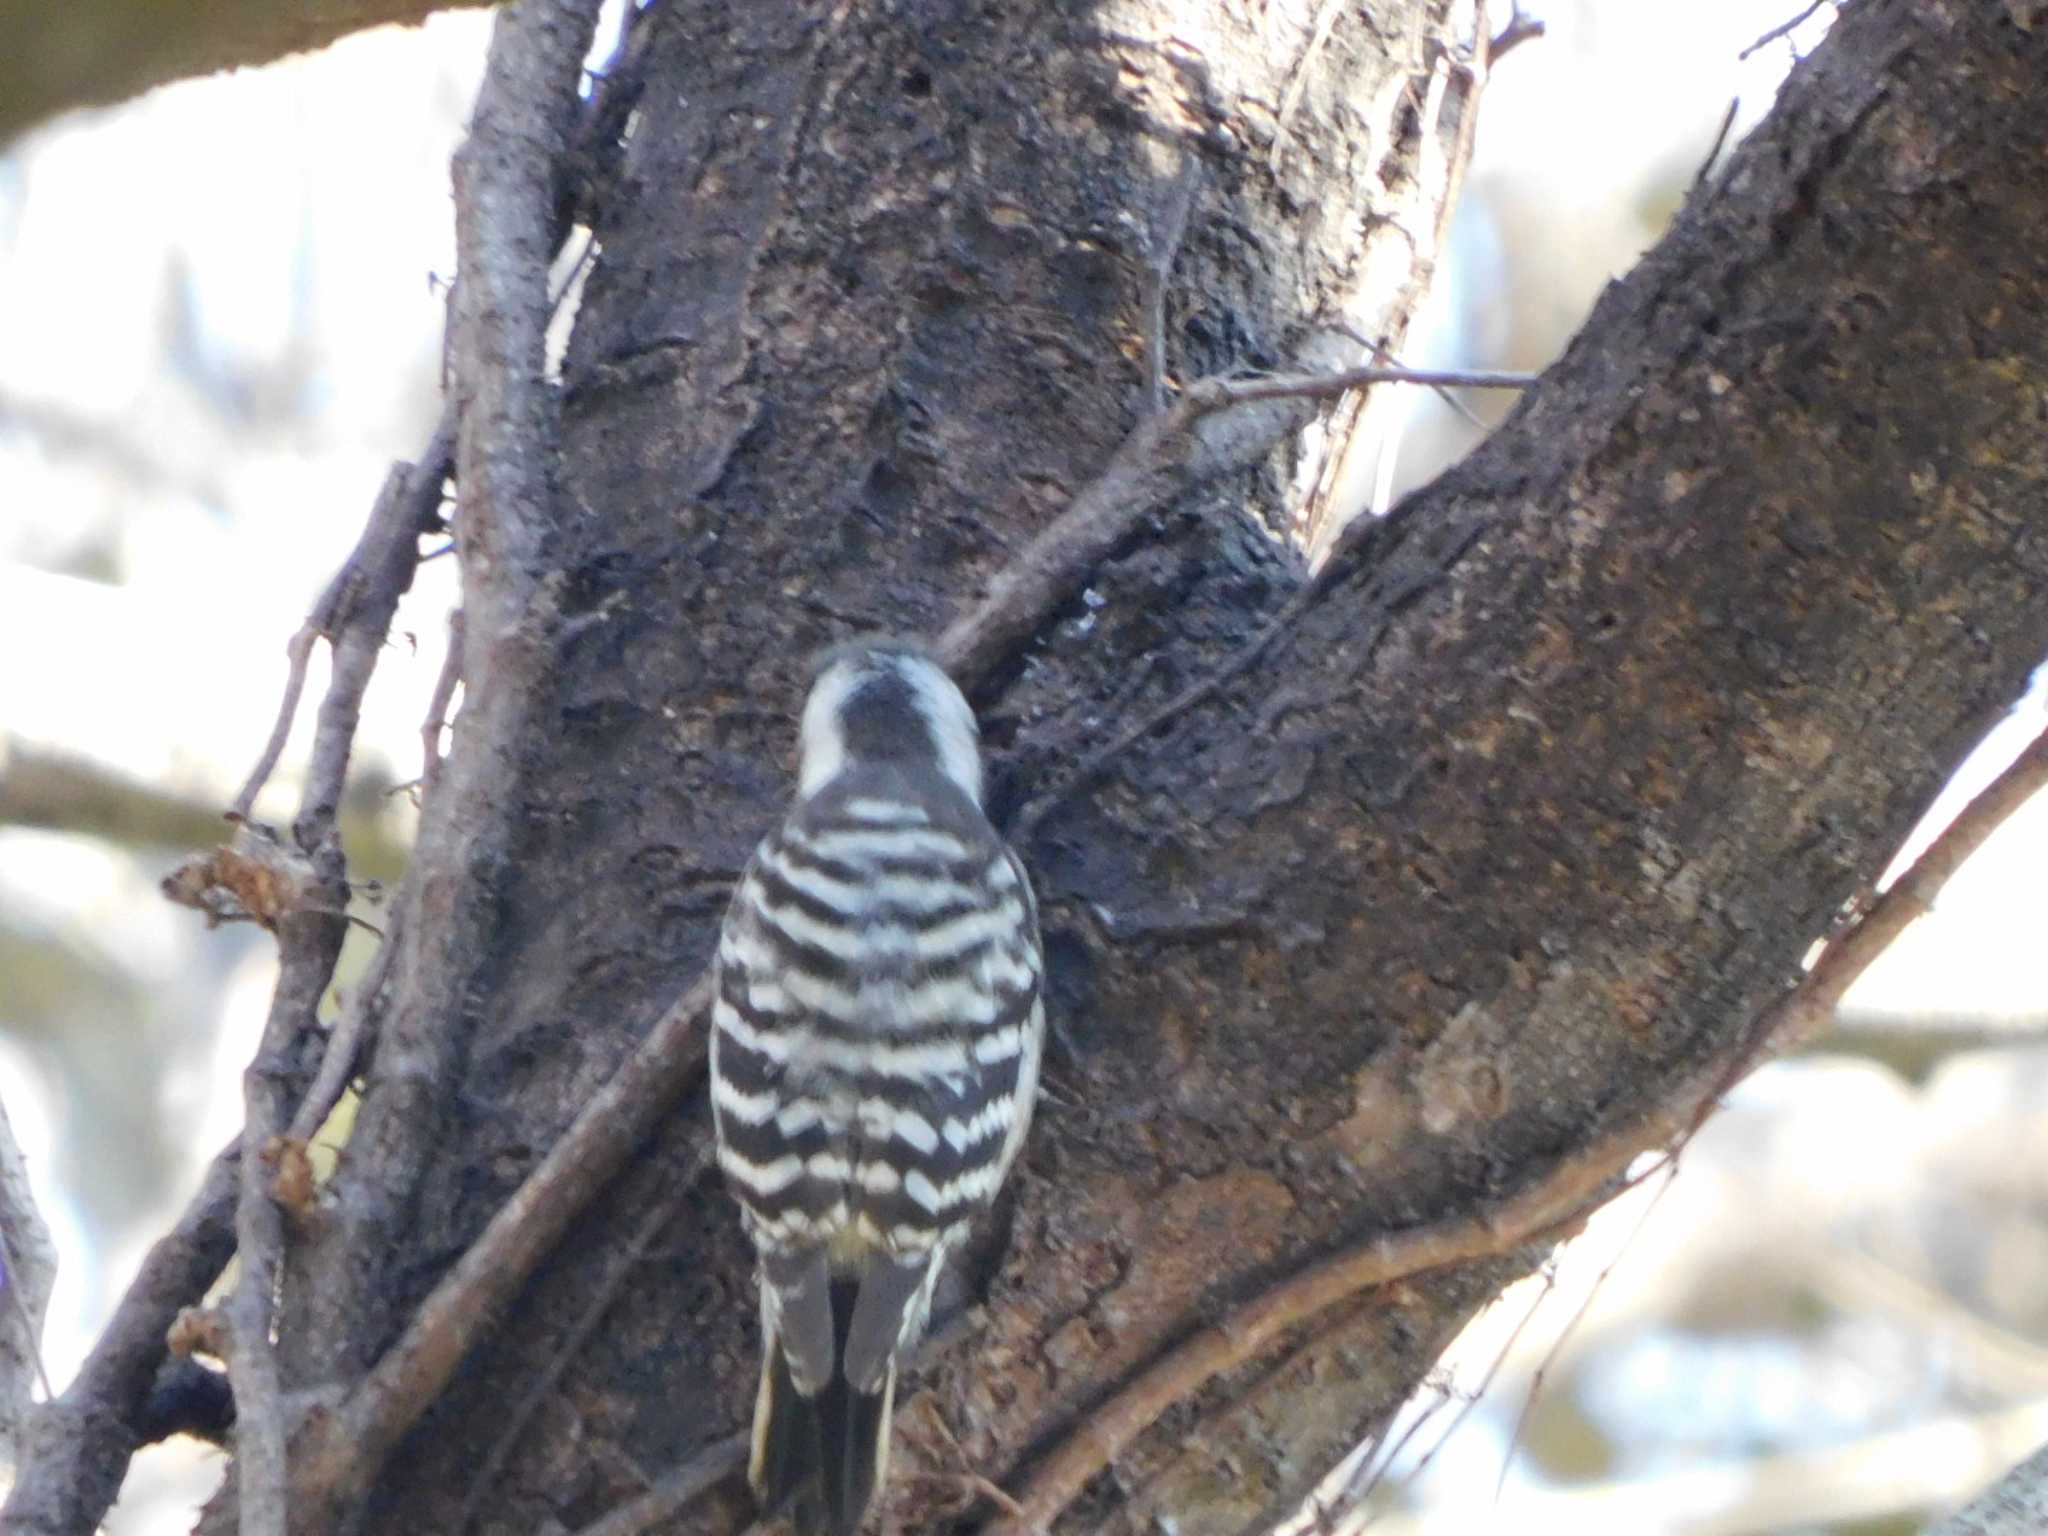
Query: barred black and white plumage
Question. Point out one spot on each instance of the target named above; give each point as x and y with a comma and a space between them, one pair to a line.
877, 1028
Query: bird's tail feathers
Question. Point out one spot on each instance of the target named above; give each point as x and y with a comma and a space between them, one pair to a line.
819, 1459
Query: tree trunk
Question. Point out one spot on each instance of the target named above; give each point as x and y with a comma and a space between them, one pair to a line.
1535, 802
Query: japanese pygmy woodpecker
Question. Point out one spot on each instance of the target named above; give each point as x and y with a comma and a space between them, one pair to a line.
876, 1033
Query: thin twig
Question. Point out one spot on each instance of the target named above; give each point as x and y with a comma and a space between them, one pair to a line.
365, 563
1158, 275
1297, 80
675, 1490
1216, 393
1782, 29
1201, 688
84, 1439
657, 1216
355, 615
1720, 142
1520, 29
298, 652
1541, 1376
437, 707
1559, 1200
508, 224
1161, 457
345, 1042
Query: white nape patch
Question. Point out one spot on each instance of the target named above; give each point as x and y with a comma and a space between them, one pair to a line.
886, 813
821, 743
822, 739
945, 710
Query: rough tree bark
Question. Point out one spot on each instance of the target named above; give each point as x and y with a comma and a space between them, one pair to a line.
1530, 809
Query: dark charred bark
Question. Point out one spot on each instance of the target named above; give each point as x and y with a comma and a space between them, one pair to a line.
1533, 810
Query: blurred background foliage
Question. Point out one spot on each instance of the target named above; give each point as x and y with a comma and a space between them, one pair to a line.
221, 309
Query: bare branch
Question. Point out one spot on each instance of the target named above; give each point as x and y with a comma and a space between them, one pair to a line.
355, 614
506, 188
1215, 394
405, 508
1163, 455
79, 1445
437, 707
1782, 29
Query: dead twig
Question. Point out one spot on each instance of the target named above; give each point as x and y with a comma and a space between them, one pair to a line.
1699, 178
1520, 29
1215, 394
298, 652
437, 707
1158, 274
1561, 1198
1161, 457
357, 611
403, 511
508, 224
1782, 29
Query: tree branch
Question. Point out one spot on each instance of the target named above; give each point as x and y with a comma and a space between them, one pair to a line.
79, 1446
82, 1443
507, 185
354, 615
93, 53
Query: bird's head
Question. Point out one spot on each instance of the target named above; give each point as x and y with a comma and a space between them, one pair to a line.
887, 701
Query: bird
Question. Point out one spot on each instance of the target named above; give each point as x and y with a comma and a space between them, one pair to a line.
877, 1027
